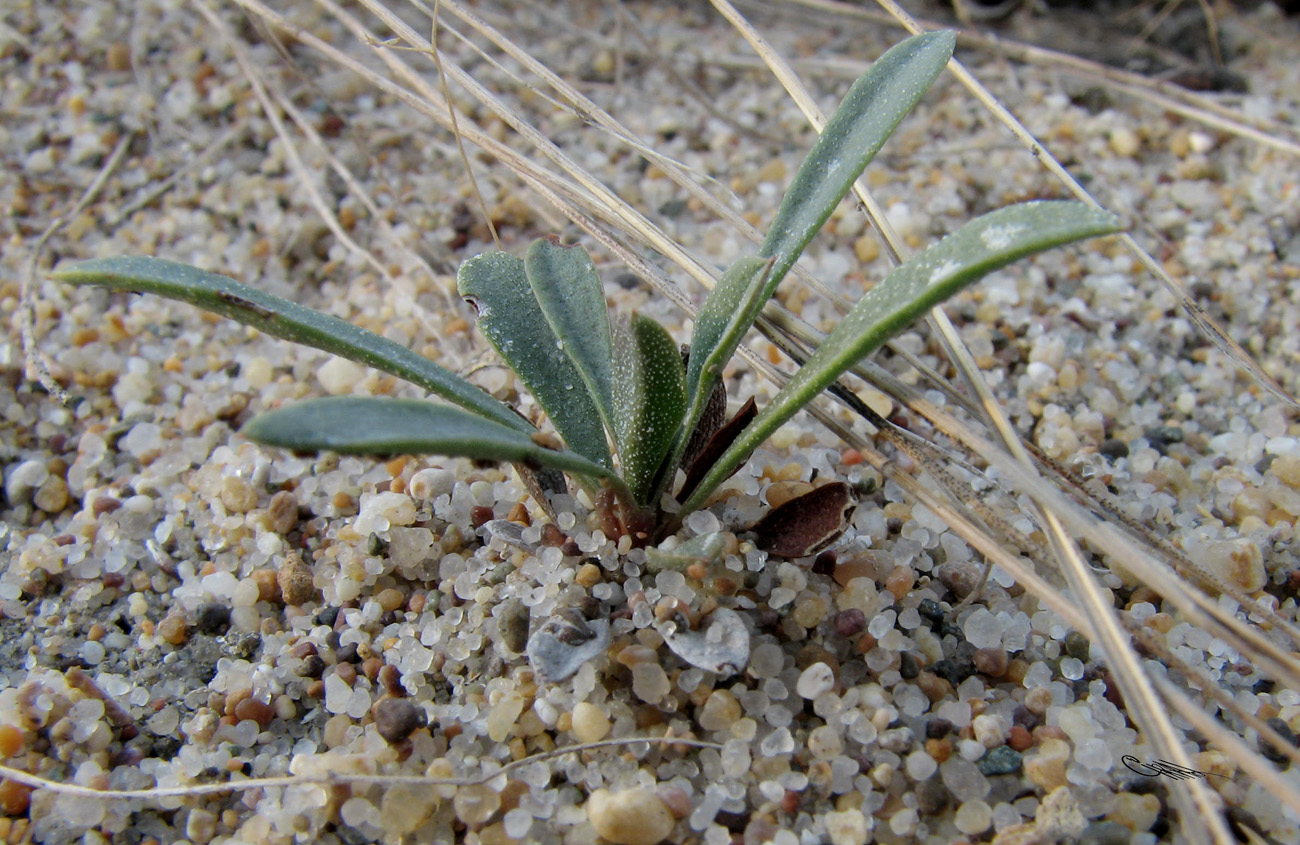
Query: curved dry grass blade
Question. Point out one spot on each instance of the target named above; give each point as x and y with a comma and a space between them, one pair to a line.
282, 318
374, 425
509, 316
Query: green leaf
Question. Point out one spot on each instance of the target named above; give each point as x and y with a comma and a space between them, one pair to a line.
373, 425
508, 313
726, 316
874, 106
572, 300
978, 248
288, 320
649, 400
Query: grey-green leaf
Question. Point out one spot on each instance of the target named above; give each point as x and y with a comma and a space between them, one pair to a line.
726, 316
867, 116
978, 248
372, 425
571, 298
285, 319
508, 314
649, 400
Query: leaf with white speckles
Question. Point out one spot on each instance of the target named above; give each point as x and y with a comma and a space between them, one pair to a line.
288, 320
960, 259
865, 119
573, 302
508, 314
380, 425
649, 400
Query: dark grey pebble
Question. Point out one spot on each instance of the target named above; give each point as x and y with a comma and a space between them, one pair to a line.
1002, 760
213, 619
398, 718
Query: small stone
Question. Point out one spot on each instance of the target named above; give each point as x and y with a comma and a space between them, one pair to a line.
1238, 562
268, 588
866, 248
815, 681
173, 629
512, 622
940, 749
988, 730
52, 495
973, 817
590, 724
503, 716
1019, 738
405, 808
720, 645
339, 375
296, 581
1077, 646
282, 512
213, 619
992, 662
564, 643
850, 622
1046, 768
720, 711
1125, 142
475, 803
11, 740
118, 56
238, 495
1002, 760
200, 825
15, 797
650, 682
848, 827
390, 599
899, 581
1287, 470
398, 718
632, 817
587, 576
258, 711
1105, 833
1137, 813
932, 796
810, 611
962, 578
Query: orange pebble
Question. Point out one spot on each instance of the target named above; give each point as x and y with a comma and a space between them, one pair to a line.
11, 740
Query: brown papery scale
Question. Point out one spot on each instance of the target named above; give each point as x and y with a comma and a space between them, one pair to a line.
807, 524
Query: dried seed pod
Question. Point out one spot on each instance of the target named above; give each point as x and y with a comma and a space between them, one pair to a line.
807, 524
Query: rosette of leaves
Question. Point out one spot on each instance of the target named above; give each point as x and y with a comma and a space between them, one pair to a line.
628, 406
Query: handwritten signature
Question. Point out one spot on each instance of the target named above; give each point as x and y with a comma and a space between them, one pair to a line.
1156, 768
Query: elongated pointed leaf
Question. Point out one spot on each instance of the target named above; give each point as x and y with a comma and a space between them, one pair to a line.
373, 425
282, 318
867, 116
508, 314
727, 315
649, 400
573, 302
978, 248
